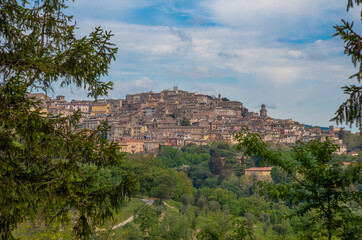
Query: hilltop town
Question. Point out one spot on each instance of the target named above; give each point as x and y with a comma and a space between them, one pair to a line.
144, 121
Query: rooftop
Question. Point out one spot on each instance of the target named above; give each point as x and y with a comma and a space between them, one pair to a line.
259, 169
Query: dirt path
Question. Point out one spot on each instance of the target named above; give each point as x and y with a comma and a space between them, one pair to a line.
130, 219
164, 202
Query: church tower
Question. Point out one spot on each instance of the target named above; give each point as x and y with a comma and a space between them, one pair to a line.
263, 111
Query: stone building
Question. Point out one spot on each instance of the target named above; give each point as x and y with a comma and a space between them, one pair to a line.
132, 146
263, 111
258, 173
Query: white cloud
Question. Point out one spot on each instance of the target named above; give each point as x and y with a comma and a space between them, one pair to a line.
246, 12
295, 54
113, 5
131, 85
280, 75
242, 57
144, 82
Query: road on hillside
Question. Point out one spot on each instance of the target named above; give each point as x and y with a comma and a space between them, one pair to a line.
148, 201
130, 219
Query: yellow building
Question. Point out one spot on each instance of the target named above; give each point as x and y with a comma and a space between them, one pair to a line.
99, 109
42, 98
131, 146
342, 149
353, 154
259, 173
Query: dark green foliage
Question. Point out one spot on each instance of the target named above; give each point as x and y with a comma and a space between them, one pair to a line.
320, 185
222, 196
231, 196
39, 47
185, 122
279, 176
199, 173
165, 187
214, 205
350, 111
266, 219
225, 172
146, 168
241, 231
201, 200
46, 163
216, 228
173, 157
280, 229
276, 175
215, 163
155, 179
225, 227
170, 226
172, 115
234, 186
211, 182
196, 149
186, 200
354, 142
249, 219
131, 232
173, 226
146, 217
223, 145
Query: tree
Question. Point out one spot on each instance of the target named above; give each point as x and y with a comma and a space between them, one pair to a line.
173, 227
216, 227
280, 229
223, 196
215, 164
146, 217
46, 162
320, 184
165, 187
225, 227
266, 219
276, 175
131, 232
350, 111
185, 122
184, 186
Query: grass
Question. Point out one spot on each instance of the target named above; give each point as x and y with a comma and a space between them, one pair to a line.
126, 211
29, 230
173, 203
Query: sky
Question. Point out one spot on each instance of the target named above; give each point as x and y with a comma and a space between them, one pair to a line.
274, 52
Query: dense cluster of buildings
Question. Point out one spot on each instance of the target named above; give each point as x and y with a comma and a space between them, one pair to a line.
144, 121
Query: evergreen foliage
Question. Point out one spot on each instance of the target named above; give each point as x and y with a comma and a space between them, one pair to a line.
215, 163
185, 122
350, 111
46, 162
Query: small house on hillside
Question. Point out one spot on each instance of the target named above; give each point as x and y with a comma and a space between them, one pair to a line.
259, 173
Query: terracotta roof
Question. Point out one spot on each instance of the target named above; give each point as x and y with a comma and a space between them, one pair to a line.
346, 163
130, 140
259, 169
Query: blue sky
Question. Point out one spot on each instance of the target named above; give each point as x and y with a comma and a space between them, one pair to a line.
275, 52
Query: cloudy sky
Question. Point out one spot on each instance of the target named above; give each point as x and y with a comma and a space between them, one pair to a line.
275, 52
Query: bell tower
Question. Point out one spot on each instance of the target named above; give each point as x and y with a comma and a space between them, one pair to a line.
263, 111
